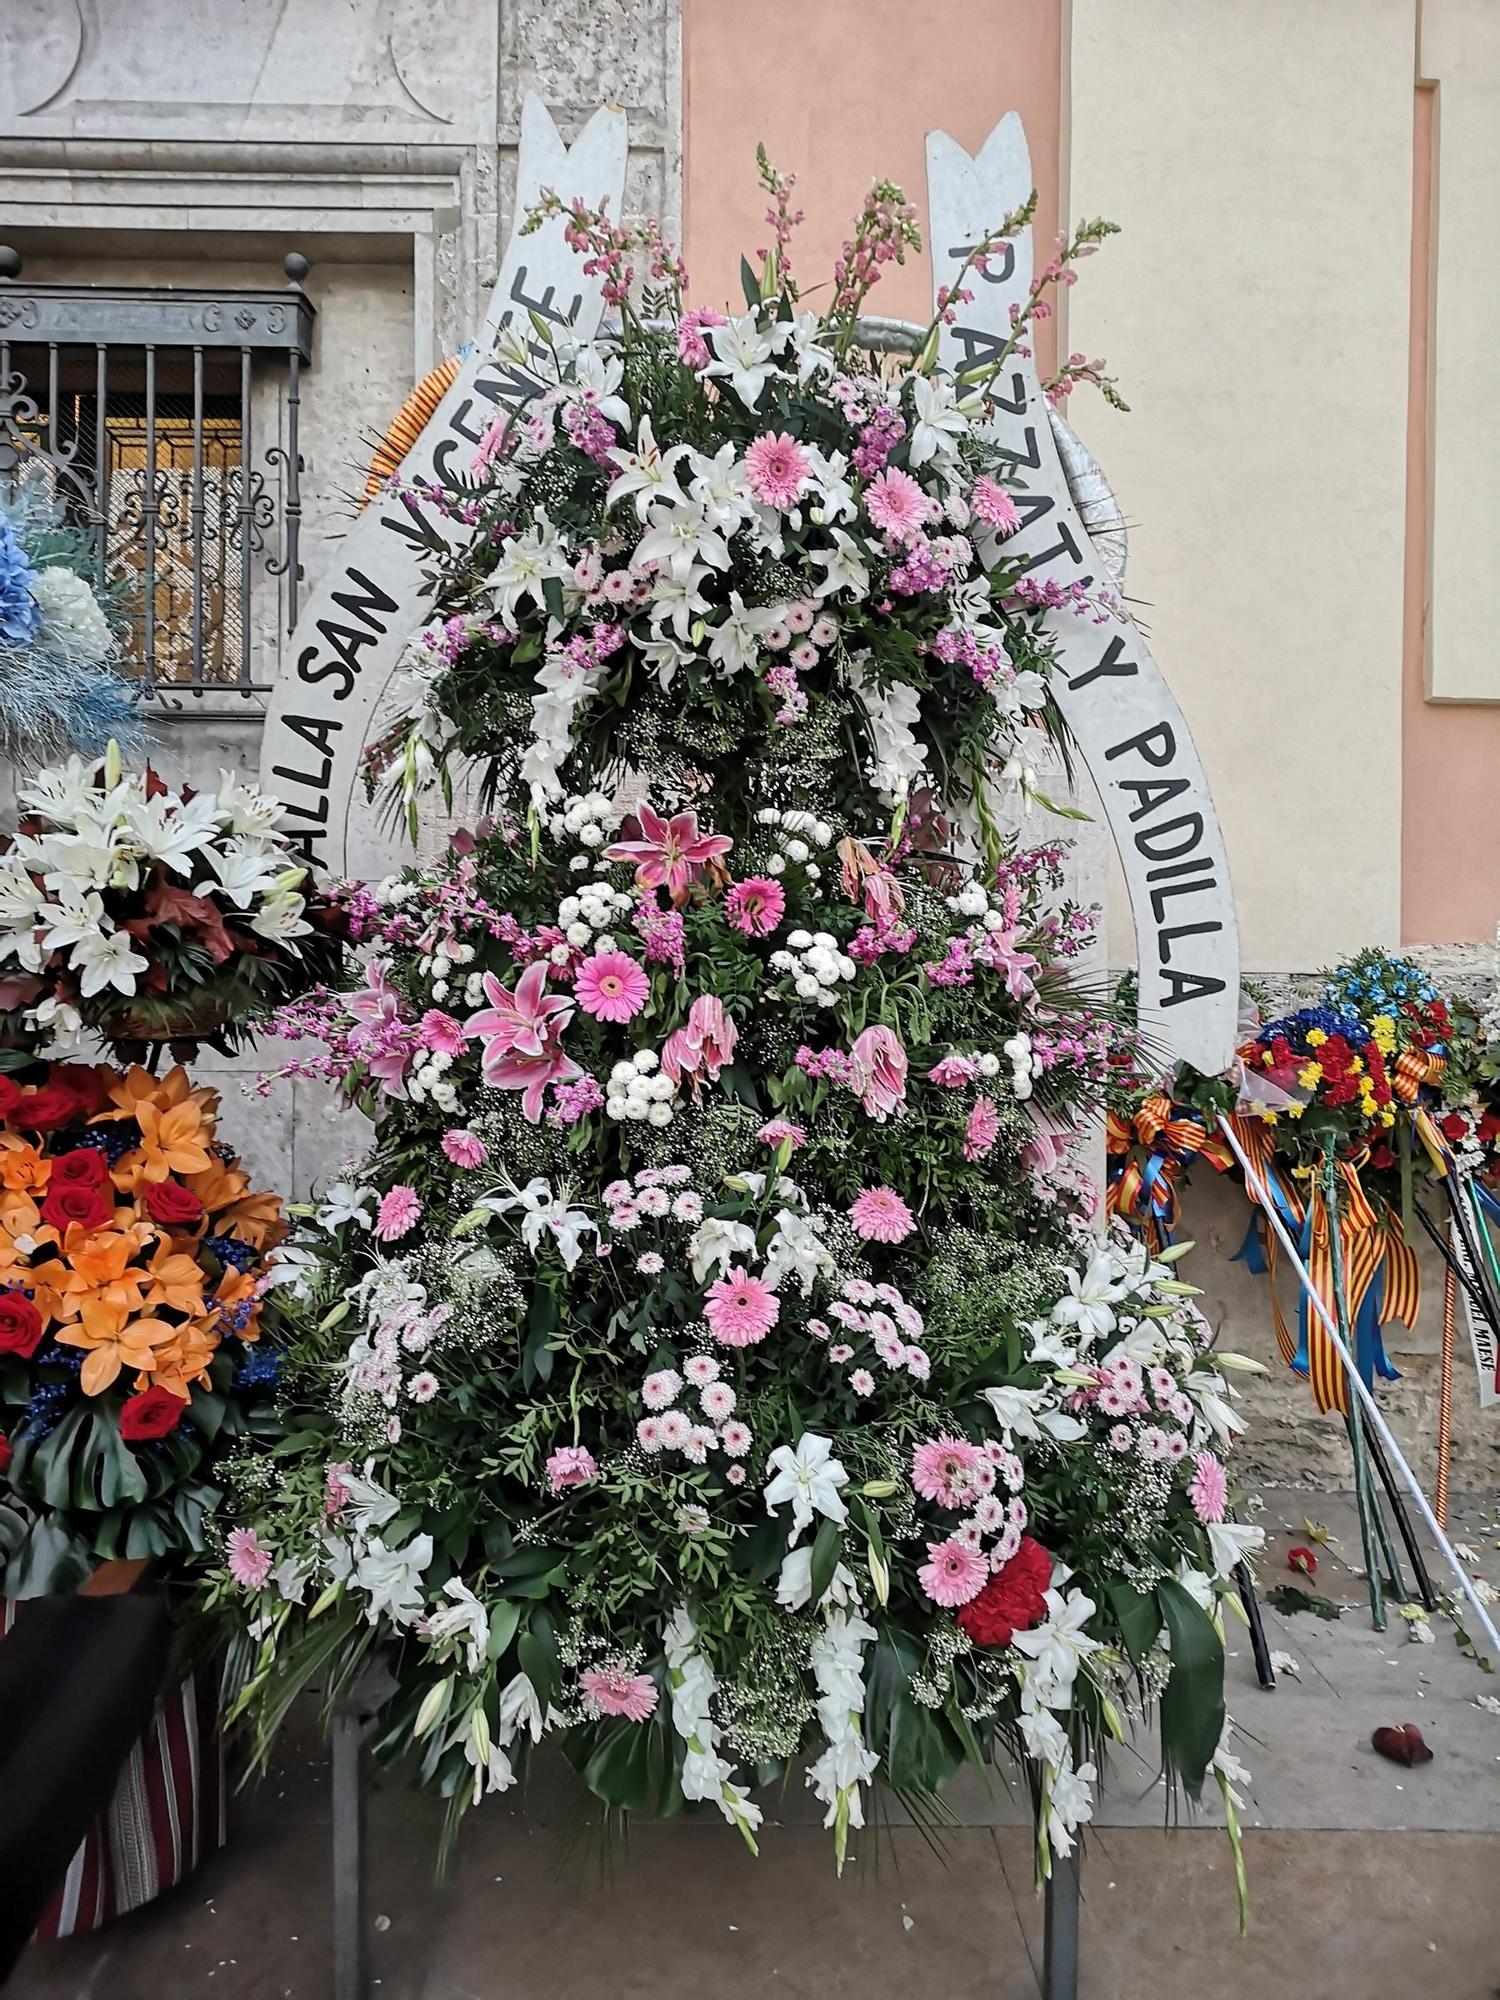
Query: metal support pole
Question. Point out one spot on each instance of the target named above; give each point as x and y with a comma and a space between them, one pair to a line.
1265, 1673
1060, 1935
348, 1856
1403, 1520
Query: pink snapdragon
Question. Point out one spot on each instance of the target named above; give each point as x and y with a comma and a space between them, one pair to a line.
670, 853
692, 348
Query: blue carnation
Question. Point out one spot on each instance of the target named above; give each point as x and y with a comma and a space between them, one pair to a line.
20, 614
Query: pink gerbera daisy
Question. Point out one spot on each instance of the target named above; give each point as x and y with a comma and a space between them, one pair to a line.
249, 1563
880, 1215
778, 469
982, 1129
399, 1212
613, 1691
942, 1470
611, 986
740, 1309
953, 1573
464, 1149
756, 905
570, 1465
896, 504
994, 505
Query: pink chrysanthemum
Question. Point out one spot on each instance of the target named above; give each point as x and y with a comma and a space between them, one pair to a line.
862, 1382
611, 986
441, 1033
880, 1215
953, 1072
756, 905
942, 1469
782, 1132
613, 1691
399, 1212
982, 1129
897, 505
570, 1465
994, 506
249, 1563
464, 1149
953, 1573
778, 469
740, 1309
736, 1439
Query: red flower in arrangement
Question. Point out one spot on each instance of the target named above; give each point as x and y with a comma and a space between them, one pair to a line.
1489, 1128
11, 1094
92, 1207
1013, 1600
171, 1204
1302, 1560
7, 1453
89, 1083
84, 1167
21, 1325
56, 1103
1454, 1127
154, 1413
1381, 1156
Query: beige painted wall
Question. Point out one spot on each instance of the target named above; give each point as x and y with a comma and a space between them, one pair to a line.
1256, 309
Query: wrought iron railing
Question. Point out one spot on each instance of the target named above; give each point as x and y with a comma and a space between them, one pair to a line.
145, 407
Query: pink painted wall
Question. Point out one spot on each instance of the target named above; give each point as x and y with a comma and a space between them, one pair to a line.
1450, 887
843, 92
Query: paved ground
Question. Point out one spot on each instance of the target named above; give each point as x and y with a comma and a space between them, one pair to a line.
1366, 1879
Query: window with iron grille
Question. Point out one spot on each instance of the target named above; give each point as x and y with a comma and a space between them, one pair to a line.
141, 406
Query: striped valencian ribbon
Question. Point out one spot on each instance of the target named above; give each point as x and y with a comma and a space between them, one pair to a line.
1413, 1068
1148, 1152
1364, 1243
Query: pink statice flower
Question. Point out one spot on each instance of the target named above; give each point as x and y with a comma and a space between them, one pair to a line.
756, 905
613, 1691
880, 1215
336, 1489
982, 1129
897, 505
669, 853
442, 1034
782, 1132
249, 1562
611, 986
779, 470
570, 1465
878, 1064
740, 1309
953, 1572
400, 1210
464, 1149
942, 1470
994, 506
692, 348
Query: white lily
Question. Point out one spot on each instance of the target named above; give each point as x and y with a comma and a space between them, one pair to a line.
939, 419
1058, 1644
1022, 1412
344, 1202
678, 537
734, 645
743, 353
391, 1578
648, 473
547, 1218
531, 561
809, 1477
676, 601
846, 568
794, 1584
108, 961
721, 488
465, 1619
1230, 1542
797, 1250
716, 1244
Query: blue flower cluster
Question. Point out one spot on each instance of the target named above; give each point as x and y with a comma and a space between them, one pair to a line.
1376, 982
111, 1140
20, 614
229, 1250
260, 1369
1295, 1028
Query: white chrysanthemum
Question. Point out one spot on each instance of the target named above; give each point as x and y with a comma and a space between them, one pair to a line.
71, 618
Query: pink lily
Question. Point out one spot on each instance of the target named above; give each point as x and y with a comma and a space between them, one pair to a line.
998, 950
530, 1074
879, 1072
702, 1046
671, 852
383, 1042
522, 1023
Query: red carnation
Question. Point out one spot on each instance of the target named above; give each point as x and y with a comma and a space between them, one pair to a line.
152, 1414
1455, 1126
93, 1207
20, 1325
7, 1453
11, 1094
53, 1105
85, 1166
1013, 1600
1381, 1156
171, 1204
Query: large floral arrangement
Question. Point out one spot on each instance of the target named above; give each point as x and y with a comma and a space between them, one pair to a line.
1321, 1071
711, 1367
58, 644
132, 1254
143, 912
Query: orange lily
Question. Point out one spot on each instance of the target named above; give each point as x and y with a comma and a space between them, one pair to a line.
138, 1086
174, 1140
133, 1345
176, 1280
256, 1217
22, 1167
97, 1274
183, 1360
220, 1187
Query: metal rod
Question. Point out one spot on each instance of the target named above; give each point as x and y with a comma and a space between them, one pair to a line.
246, 515
348, 1856
196, 538
1363, 1496
52, 399
149, 510
101, 457
1060, 1931
1382, 1429
1455, 1269
1265, 1673
1403, 1520
293, 510
1445, 1396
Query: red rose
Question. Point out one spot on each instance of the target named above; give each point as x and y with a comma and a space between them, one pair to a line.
170, 1203
91, 1206
1013, 1600
20, 1325
85, 1166
89, 1083
1381, 1156
1489, 1125
53, 1105
152, 1414
7, 1453
1455, 1126
1303, 1560
10, 1095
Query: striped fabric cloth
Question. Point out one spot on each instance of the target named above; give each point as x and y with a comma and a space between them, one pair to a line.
167, 1814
